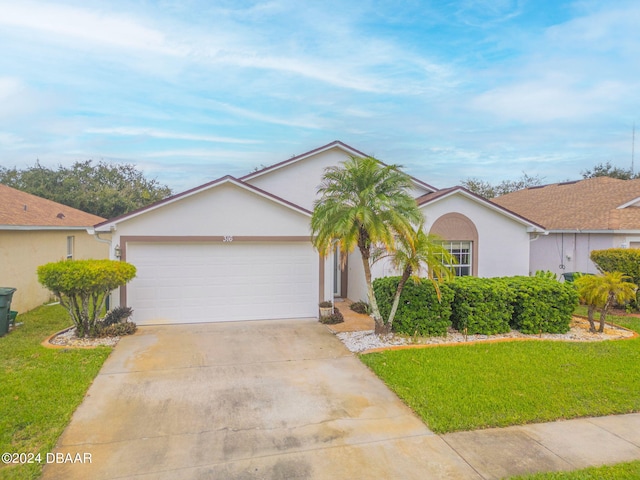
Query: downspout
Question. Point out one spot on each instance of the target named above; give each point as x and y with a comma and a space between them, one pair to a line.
92, 231
536, 236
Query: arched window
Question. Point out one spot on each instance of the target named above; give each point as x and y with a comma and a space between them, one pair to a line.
460, 237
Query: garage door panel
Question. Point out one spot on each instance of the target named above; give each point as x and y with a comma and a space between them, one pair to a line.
222, 282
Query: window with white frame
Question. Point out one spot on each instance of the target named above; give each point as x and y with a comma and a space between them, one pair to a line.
461, 251
70, 241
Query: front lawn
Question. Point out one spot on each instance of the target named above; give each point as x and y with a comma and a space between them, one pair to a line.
469, 387
39, 387
621, 471
627, 321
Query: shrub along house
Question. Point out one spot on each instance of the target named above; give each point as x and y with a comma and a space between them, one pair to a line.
581, 216
35, 231
240, 248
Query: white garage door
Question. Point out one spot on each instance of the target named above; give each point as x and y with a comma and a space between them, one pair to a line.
192, 283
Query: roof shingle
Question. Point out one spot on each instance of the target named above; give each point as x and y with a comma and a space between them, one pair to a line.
18, 208
590, 204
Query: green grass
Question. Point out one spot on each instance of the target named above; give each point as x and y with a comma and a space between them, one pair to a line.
477, 386
39, 387
632, 323
620, 471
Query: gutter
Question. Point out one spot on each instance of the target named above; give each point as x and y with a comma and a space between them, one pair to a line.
31, 228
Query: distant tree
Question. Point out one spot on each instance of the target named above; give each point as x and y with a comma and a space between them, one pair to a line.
104, 189
487, 190
608, 170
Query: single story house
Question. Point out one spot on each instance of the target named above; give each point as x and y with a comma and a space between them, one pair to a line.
35, 231
240, 248
580, 216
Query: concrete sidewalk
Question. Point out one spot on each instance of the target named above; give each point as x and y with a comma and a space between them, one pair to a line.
544, 447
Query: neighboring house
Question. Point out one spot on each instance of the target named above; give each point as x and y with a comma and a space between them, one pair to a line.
580, 216
35, 231
240, 249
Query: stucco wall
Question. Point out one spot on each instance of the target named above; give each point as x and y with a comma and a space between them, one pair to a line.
570, 250
223, 210
503, 244
298, 182
21, 252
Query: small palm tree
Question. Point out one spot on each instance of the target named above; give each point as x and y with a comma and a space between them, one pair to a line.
601, 291
420, 254
364, 204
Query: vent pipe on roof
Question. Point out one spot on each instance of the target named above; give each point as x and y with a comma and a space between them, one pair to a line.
25, 208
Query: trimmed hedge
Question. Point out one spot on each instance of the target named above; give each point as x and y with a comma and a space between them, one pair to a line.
541, 305
484, 306
419, 311
481, 305
625, 260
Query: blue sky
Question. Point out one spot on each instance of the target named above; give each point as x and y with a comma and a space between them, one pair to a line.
191, 90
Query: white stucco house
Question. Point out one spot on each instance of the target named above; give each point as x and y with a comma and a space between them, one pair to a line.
579, 216
240, 248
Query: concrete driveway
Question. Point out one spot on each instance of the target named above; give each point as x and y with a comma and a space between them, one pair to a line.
248, 400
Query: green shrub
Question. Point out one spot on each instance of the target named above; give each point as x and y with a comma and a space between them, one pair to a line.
117, 315
625, 260
82, 287
361, 307
481, 305
542, 305
419, 311
546, 274
115, 329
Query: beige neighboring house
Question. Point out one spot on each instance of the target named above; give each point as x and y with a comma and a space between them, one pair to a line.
35, 231
580, 216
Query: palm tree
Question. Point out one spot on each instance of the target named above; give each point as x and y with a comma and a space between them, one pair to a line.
587, 286
364, 204
601, 291
420, 254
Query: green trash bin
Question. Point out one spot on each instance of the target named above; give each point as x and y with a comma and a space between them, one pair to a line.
6, 294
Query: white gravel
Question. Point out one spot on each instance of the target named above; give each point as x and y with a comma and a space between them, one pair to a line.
68, 339
366, 340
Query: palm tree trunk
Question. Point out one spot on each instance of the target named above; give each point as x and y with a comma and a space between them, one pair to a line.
603, 313
380, 327
396, 299
590, 315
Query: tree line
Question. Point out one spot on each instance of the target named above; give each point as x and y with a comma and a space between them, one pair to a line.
103, 189
488, 190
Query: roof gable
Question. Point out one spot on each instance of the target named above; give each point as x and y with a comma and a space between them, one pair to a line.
440, 195
112, 223
336, 144
594, 204
19, 209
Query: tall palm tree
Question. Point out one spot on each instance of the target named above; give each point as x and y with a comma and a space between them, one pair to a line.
601, 291
364, 204
420, 254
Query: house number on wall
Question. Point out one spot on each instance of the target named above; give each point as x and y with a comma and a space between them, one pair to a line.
227, 238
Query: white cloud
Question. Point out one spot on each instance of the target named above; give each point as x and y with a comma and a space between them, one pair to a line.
150, 132
9, 88
84, 25
550, 98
